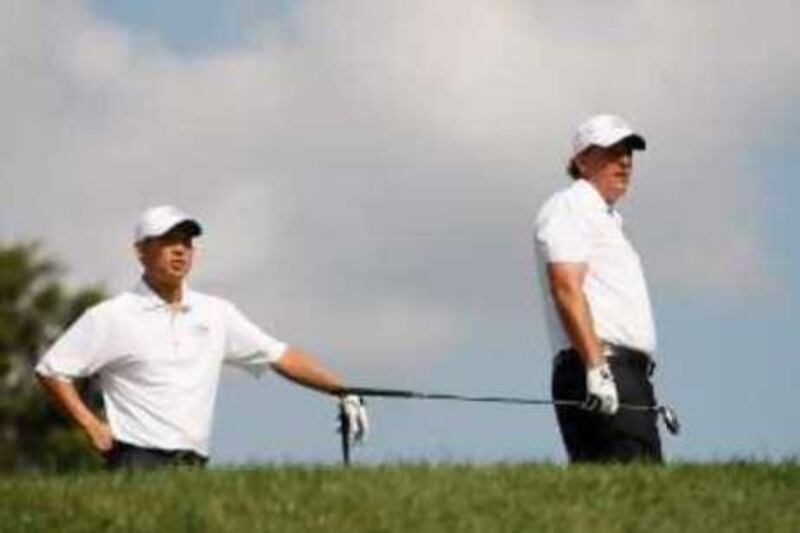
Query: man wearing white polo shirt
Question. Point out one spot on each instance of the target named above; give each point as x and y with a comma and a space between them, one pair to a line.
158, 350
597, 305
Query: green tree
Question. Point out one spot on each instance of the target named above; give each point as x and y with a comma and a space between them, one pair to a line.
35, 308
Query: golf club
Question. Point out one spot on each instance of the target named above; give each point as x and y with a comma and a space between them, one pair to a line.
667, 414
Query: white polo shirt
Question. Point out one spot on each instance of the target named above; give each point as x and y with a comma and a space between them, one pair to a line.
159, 368
577, 226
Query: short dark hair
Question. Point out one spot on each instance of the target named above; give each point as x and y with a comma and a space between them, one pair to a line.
573, 170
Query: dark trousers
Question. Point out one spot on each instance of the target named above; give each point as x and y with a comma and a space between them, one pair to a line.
594, 437
124, 456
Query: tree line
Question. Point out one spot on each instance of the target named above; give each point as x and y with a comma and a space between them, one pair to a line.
35, 308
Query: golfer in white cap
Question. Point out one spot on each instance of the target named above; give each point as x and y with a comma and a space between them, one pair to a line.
158, 350
597, 306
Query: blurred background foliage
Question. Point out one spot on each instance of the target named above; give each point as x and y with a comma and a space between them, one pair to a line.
35, 308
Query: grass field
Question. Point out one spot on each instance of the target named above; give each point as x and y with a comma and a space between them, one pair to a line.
412, 498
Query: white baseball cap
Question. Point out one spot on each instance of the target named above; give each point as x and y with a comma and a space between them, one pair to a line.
605, 131
157, 221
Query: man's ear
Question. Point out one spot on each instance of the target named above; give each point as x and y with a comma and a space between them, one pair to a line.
580, 163
587, 161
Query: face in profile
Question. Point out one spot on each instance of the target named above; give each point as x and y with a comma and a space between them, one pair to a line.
608, 169
167, 259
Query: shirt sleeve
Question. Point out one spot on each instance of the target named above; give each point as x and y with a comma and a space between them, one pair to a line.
78, 352
563, 235
247, 346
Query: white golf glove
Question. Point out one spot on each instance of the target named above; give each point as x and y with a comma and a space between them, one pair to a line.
601, 390
357, 421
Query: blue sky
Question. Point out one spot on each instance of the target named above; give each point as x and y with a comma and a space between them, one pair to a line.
368, 175
194, 27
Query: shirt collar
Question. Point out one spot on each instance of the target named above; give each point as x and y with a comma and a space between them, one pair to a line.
591, 198
151, 301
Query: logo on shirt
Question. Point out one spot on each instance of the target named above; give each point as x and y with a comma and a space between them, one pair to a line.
200, 329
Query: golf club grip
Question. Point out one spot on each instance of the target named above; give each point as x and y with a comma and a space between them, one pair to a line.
383, 393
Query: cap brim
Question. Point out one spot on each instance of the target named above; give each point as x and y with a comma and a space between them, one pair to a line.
190, 226
635, 141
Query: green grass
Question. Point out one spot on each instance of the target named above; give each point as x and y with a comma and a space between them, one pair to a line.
413, 498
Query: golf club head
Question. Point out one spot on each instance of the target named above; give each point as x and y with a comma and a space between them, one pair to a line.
670, 419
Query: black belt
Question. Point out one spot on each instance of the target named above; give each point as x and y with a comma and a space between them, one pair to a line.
619, 355
618, 350
151, 456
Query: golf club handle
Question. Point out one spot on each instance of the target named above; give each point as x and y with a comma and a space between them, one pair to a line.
378, 392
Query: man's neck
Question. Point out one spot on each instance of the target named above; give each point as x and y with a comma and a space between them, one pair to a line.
609, 202
169, 292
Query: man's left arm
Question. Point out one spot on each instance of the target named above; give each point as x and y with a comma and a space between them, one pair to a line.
252, 349
248, 347
303, 369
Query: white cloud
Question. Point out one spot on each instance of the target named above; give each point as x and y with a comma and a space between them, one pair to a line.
371, 176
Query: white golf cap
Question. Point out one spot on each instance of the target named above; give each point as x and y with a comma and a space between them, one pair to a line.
605, 131
157, 221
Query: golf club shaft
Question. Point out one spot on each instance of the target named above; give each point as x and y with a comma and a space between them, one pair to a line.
344, 429
416, 395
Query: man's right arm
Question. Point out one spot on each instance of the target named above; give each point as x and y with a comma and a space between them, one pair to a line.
566, 285
66, 396
566, 288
